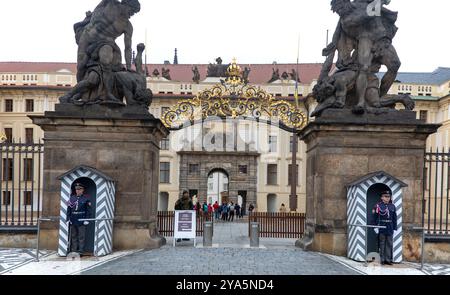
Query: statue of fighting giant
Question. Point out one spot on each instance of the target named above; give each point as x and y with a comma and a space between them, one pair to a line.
101, 76
363, 41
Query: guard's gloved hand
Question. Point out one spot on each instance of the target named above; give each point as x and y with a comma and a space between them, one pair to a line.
376, 230
86, 222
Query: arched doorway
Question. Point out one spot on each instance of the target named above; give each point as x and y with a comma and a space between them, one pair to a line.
218, 186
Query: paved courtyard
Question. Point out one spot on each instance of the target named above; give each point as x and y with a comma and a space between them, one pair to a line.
230, 255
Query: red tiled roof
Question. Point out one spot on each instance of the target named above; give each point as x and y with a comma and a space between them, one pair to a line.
260, 73
36, 67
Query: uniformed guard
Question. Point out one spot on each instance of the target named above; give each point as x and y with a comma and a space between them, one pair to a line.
384, 214
185, 203
79, 207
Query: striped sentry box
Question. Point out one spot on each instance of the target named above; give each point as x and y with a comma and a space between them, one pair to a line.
105, 197
357, 213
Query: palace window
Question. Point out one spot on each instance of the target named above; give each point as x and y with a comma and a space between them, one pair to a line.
27, 169
272, 144
194, 169
29, 106
29, 135
423, 116
242, 169
164, 172
272, 170
28, 198
8, 105
8, 168
6, 198
8, 133
165, 144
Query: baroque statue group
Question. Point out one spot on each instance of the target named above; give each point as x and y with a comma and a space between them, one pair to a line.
363, 43
101, 76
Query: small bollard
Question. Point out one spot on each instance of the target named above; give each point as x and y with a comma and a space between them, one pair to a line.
254, 234
207, 234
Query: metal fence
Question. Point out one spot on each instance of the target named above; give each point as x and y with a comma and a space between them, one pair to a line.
21, 166
436, 196
166, 223
279, 225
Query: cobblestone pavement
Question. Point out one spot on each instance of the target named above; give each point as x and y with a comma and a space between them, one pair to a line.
14, 258
437, 269
230, 255
222, 261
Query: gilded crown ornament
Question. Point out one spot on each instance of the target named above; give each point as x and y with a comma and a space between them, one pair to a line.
234, 98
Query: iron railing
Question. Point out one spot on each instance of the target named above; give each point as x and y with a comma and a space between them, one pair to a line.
166, 223
279, 225
436, 196
21, 166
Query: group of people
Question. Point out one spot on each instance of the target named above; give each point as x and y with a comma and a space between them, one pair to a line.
225, 212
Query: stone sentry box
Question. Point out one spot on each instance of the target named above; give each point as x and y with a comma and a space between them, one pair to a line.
362, 196
100, 189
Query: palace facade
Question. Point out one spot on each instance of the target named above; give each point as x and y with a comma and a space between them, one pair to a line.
239, 160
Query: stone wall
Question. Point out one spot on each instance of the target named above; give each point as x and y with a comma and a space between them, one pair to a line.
342, 148
123, 147
227, 162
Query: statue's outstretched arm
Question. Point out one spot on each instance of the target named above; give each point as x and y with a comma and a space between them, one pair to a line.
128, 42
333, 45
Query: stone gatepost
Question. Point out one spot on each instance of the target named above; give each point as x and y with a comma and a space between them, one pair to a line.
342, 147
122, 143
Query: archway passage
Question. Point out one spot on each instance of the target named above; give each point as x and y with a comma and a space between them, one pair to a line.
227, 164
218, 187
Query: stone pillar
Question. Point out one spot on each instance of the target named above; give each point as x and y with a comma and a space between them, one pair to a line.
342, 147
122, 143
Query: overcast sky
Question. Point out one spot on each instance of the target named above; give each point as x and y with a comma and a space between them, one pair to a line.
260, 31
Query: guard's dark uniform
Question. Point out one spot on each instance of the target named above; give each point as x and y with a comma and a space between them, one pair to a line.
385, 215
79, 207
185, 203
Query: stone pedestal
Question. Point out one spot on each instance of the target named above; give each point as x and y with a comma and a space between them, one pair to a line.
342, 147
122, 143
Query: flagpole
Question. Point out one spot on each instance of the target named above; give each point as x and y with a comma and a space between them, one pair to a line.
146, 47
293, 200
